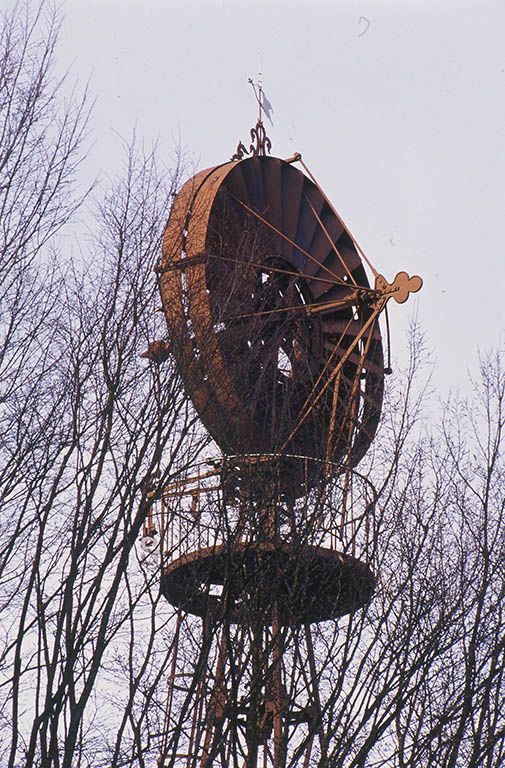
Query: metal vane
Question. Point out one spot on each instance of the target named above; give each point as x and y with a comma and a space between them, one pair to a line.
260, 142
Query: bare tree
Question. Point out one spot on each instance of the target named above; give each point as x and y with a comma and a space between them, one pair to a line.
85, 421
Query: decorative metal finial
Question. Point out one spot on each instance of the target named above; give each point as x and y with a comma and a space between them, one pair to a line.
261, 144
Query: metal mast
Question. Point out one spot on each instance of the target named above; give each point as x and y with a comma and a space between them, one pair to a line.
274, 327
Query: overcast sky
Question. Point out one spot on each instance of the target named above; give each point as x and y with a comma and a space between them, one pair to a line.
397, 107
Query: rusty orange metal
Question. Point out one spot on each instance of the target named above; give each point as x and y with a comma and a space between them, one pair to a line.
258, 236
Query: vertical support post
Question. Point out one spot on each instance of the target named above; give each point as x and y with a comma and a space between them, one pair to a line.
278, 698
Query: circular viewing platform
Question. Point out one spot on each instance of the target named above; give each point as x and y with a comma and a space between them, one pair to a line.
292, 583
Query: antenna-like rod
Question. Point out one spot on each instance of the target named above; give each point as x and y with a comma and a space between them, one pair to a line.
258, 94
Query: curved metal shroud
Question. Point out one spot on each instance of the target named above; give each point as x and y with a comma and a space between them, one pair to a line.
264, 294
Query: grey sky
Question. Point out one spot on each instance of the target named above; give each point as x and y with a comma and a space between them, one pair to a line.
403, 125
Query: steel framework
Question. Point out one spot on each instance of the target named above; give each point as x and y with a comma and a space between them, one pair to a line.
274, 327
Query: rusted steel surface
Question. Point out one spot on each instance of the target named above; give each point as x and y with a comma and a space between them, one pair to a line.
260, 143
274, 327
261, 569
307, 583
273, 297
